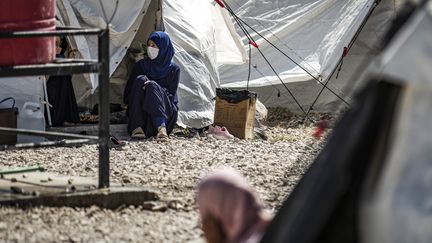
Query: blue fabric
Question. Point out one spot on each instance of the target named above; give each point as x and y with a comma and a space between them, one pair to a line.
159, 121
169, 82
160, 66
157, 99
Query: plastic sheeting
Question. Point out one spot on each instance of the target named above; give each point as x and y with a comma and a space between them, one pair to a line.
123, 28
204, 37
314, 34
201, 36
207, 43
311, 32
22, 89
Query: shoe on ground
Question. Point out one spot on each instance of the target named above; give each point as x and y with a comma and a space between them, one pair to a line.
138, 133
221, 133
162, 133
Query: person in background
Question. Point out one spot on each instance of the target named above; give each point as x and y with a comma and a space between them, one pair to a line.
229, 209
61, 95
151, 90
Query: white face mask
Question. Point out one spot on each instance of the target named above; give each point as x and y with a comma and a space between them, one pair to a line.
152, 52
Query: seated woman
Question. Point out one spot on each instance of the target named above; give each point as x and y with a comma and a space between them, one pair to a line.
229, 209
151, 91
61, 95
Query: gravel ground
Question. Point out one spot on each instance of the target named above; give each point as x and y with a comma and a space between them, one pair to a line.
272, 166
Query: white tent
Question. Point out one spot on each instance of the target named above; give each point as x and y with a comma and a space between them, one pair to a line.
208, 46
314, 34
195, 29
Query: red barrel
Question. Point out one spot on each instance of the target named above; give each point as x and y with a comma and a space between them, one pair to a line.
27, 15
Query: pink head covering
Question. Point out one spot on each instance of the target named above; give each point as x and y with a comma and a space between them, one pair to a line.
227, 197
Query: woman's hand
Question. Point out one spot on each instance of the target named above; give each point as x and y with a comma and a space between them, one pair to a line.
72, 53
146, 81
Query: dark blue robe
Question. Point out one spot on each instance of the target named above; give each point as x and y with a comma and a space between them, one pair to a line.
158, 99
61, 96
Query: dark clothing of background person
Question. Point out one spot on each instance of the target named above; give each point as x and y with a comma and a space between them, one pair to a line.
61, 96
158, 99
155, 103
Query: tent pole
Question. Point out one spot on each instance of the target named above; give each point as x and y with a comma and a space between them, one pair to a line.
341, 59
47, 104
104, 112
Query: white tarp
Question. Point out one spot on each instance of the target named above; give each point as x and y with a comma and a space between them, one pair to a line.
22, 89
196, 28
123, 28
313, 33
310, 31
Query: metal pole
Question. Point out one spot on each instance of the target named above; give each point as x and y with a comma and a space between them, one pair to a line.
21, 170
104, 112
47, 104
64, 142
8, 130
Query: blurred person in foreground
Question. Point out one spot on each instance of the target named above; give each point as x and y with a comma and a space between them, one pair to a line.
229, 209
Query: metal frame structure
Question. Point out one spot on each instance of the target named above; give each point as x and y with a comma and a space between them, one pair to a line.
68, 67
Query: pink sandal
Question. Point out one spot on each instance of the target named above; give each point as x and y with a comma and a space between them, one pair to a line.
220, 132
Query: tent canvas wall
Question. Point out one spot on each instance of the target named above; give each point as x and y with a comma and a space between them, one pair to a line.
207, 45
195, 29
314, 34
327, 25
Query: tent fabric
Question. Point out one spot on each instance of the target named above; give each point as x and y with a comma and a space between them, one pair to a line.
201, 45
203, 36
22, 89
327, 28
194, 41
208, 45
122, 30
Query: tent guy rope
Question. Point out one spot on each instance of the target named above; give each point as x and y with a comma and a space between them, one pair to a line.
253, 43
344, 53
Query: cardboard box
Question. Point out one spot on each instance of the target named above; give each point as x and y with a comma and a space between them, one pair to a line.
237, 117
